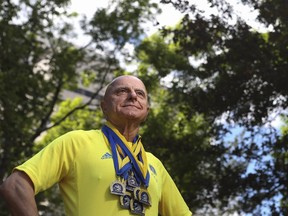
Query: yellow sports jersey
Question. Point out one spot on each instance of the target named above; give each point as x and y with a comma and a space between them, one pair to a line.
81, 162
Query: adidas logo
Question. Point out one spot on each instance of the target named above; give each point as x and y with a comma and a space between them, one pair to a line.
107, 155
152, 169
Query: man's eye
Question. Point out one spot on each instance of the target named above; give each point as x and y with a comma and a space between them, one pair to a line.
120, 91
140, 93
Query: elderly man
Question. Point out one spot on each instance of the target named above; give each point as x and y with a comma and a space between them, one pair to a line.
101, 172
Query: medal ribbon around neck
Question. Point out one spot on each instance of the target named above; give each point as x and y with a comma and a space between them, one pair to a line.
126, 156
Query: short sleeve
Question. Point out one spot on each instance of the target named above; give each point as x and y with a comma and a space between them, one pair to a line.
52, 163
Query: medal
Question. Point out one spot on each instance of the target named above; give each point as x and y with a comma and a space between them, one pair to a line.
117, 188
143, 197
126, 156
130, 163
136, 207
125, 201
131, 181
136, 193
129, 188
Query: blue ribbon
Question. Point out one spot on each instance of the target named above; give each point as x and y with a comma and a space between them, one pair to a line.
133, 165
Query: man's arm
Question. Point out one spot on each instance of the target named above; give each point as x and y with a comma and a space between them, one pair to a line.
18, 192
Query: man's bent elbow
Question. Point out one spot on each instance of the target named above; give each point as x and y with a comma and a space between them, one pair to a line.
5, 190
18, 193
17, 184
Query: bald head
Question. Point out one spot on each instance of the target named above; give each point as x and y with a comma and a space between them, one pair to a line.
118, 79
125, 99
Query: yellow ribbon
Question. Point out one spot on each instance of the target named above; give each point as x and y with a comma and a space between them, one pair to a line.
136, 149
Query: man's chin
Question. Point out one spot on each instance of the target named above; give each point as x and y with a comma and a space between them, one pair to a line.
132, 116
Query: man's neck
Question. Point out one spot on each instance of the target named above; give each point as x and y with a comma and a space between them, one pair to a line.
129, 131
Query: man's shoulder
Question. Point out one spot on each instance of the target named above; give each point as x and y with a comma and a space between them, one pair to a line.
82, 133
150, 155
152, 158
80, 136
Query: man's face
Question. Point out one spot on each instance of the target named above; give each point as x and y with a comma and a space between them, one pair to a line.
126, 100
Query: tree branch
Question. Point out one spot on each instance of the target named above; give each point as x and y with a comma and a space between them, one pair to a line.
44, 121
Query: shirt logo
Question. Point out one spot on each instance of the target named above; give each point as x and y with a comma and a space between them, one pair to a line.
107, 155
152, 169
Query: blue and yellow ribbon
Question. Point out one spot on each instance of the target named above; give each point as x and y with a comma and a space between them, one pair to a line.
127, 156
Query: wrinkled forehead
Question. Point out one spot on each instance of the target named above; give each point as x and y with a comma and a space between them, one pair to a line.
126, 81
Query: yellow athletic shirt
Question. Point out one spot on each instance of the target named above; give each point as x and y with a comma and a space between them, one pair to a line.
81, 162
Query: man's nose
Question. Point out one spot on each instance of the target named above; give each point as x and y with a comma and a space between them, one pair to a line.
133, 95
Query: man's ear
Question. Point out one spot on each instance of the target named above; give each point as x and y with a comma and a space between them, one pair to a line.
103, 106
148, 109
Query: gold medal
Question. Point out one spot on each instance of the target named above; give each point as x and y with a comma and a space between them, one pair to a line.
131, 181
117, 188
144, 197
129, 160
125, 201
136, 193
136, 207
